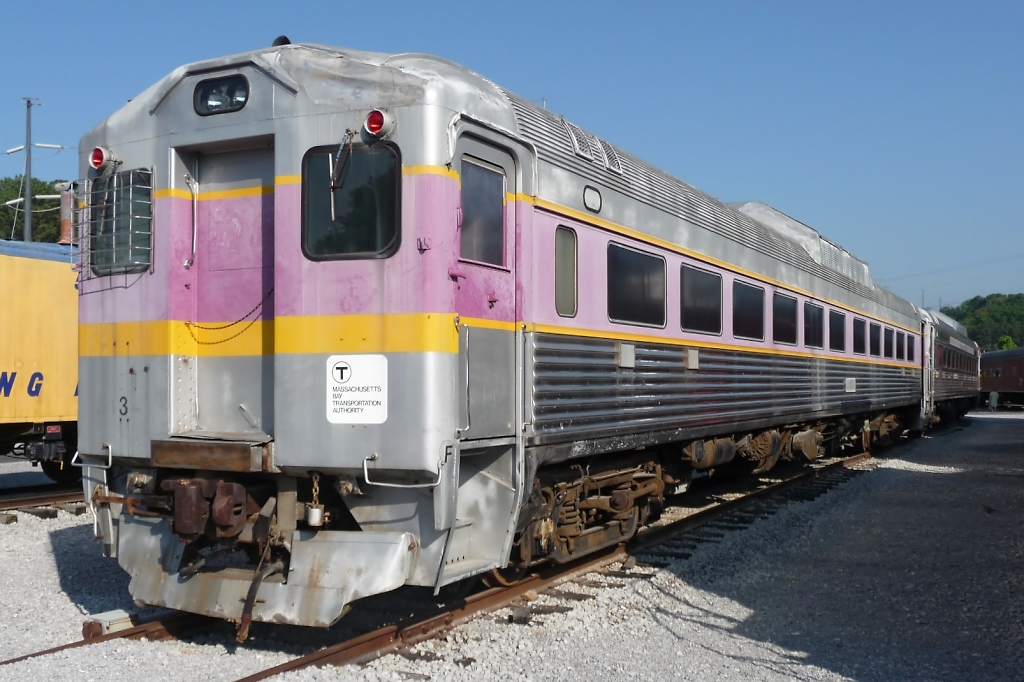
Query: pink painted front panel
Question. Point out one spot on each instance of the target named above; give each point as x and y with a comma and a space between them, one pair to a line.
413, 280
235, 263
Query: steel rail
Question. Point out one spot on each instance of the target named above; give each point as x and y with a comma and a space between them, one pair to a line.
164, 627
39, 499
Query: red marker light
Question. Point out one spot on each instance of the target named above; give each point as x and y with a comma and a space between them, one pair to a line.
375, 122
99, 158
379, 123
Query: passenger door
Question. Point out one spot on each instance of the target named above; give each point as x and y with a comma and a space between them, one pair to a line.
233, 298
485, 289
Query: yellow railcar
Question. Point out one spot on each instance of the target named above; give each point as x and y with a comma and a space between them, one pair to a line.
39, 355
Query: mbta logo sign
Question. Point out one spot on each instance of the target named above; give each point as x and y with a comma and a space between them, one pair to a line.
341, 372
357, 389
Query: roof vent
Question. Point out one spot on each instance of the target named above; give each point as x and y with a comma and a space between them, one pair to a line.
579, 141
281, 40
611, 158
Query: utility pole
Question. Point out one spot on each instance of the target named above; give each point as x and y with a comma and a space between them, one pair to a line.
28, 167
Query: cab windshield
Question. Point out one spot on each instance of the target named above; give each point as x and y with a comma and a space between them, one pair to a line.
350, 201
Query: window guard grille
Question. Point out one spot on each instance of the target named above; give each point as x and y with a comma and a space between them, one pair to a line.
114, 220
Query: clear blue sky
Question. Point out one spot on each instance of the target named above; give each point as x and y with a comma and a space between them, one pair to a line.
896, 129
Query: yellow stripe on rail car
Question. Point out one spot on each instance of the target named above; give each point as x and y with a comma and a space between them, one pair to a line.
394, 333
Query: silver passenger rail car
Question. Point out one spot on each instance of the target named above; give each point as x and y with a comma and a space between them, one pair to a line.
351, 321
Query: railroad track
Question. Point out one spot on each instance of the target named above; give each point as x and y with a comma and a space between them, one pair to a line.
163, 627
28, 497
670, 540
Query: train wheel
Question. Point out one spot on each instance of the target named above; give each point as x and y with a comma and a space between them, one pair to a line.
460, 589
504, 577
518, 565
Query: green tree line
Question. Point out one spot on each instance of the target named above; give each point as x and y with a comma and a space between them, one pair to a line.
995, 322
45, 213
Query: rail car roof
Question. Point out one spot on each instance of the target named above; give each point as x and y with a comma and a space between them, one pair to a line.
945, 320
376, 79
1002, 354
58, 252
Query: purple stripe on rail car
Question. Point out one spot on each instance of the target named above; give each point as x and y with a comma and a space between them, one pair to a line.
142, 296
233, 273
592, 314
415, 279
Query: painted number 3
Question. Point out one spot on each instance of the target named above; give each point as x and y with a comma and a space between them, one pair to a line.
124, 406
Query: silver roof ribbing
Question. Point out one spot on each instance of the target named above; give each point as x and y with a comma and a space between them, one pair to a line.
646, 184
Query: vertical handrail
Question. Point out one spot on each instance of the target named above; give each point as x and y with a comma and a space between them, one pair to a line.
469, 422
193, 186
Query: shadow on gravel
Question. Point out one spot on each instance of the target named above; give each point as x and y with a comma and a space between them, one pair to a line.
92, 582
22, 479
913, 573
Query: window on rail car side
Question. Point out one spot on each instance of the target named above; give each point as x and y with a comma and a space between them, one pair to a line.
911, 345
700, 308
359, 217
901, 341
814, 325
888, 342
636, 287
783, 319
747, 311
565, 272
860, 328
875, 339
836, 331
120, 222
482, 235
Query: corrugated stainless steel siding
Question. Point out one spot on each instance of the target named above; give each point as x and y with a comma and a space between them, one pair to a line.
947, 386
579, 390
649, 185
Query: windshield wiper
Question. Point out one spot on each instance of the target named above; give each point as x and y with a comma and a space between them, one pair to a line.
336, 164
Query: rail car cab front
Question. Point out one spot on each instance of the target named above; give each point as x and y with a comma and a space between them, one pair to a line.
287, 301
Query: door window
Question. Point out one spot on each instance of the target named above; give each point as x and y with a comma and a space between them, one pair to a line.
482, 236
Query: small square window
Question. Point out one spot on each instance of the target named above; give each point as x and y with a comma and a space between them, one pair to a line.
836, 331
700, 300
636, 287
814, 325
783, 319
860, 334
747, 311
875, 339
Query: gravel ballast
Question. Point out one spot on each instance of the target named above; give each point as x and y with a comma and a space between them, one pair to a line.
911, 572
